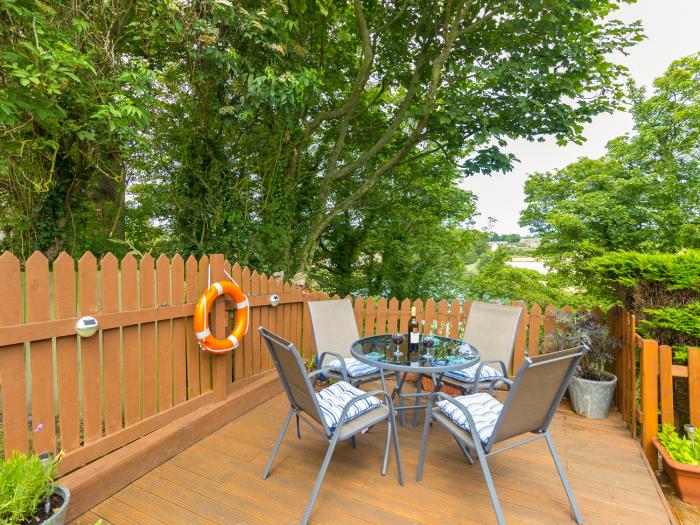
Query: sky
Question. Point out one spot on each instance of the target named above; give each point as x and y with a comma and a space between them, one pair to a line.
671, 28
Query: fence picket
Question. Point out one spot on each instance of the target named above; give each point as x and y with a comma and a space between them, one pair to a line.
666, 383
111, 345
265, 321
204, 357
90, 350
248, 338
130, 338
650, 402
192, 291
12, 360
454, 319
549, 319
694, 384
431, 316
405, 315
255, 321
179, 348
370, 316
393, 318
443, 313
39, 309
66, 354
533, 348
382, 313
149, 369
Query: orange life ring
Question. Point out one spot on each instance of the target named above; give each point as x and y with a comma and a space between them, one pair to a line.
201, 317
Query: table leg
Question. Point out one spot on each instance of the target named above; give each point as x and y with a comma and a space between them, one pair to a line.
419, 389
397, 392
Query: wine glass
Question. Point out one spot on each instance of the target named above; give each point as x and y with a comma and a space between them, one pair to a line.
428, 343
397, 339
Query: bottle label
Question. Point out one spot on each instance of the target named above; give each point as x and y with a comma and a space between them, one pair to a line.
413, 339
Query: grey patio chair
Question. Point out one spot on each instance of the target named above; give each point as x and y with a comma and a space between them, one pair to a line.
338, 412
491, 328
478, 421
335, 330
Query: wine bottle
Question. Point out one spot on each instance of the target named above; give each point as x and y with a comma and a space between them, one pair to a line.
413, 336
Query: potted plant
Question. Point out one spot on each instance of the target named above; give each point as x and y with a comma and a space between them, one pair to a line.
28, 493
592, 387
681, 459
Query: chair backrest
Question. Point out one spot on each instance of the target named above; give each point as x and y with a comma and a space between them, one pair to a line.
491, 328
536, 393
334, 326
292, 372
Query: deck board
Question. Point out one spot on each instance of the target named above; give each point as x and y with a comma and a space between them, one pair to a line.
218, 480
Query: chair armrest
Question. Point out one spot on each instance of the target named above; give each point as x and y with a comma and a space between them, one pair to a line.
320, 371
341, 360
482, 364
431, 401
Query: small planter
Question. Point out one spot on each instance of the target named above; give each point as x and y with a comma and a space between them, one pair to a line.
58, 515
592, 399
685, 478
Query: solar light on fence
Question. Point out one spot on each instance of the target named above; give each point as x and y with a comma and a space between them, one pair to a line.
274, 300
86, 326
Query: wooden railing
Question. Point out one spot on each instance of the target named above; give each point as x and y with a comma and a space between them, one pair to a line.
90, 396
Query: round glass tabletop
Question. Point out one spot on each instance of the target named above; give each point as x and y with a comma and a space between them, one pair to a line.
444, 355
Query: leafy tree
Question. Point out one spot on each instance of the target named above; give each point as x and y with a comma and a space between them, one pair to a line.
643, 195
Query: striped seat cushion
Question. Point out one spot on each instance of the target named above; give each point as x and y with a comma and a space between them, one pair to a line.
354, 367
468, 375
333, 399
483, 408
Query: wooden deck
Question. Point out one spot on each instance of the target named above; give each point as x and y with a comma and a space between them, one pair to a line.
218, 480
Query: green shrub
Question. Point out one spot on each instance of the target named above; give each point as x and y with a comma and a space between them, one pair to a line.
25, 484
679, 448
670, 323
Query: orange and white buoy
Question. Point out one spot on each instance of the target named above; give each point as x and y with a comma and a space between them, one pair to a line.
201, 317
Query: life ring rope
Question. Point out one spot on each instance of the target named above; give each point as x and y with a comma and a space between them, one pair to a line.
202, 331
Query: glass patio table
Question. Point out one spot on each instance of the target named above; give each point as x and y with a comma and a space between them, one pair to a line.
446, 355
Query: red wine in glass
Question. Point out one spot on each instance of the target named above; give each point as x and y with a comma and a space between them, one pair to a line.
428, 343
397, 339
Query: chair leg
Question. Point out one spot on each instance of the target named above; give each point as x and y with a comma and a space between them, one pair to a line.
424, 441
397, 449
399, 387
419, 389
489, 484
389, 434
319, 479
278, 443
564, 480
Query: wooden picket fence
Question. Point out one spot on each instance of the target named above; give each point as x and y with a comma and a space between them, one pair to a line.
144, 369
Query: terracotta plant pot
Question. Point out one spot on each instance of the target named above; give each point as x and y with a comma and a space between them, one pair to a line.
685, 478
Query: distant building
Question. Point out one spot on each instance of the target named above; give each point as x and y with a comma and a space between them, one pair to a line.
530, 242
496, 244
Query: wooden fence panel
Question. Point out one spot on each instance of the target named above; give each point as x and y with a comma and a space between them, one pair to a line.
666, 383
204, 357
694, 385
454, 319
149, 364
443, 317
12, 360
431, 318
370, 317
650, 401
111, 345
533, 347
393, 320
39, 309
382, 314
192, 294
179, 348
130, 338
90, 350
66, 354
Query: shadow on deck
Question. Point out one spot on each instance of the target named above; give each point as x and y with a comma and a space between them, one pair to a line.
218, 480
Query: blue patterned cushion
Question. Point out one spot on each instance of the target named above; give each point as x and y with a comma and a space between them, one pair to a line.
354, 367
468, 375
333, 399
483, 408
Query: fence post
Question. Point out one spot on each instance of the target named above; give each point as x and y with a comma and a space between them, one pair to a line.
694, 384
650, 397
220, 363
